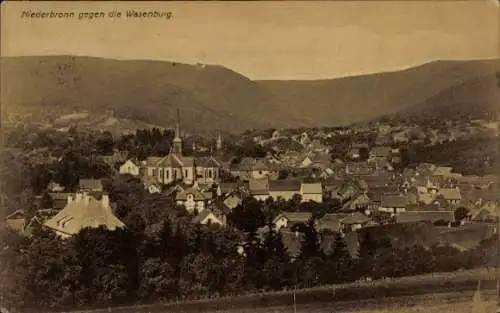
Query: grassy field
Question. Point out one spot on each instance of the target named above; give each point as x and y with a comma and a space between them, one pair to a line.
431, 303
410, 293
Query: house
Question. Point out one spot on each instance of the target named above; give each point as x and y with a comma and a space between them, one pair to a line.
451, 195
375, 181
232, 201
129, 167
55, 187
90, 185
354, 221
275, 135
400, 137
359, 168
243, 169
284, 189
17, 221
393, 203
443, 171
305, 161
426, 198
21, 223
330, 222
59, 199
289, 219
354, 154
482, 182
84, 211
348, 190
210, 217
152, 185
193, 199
382, 152
259, 188
311, 192
259, 169
207, 169
357, 202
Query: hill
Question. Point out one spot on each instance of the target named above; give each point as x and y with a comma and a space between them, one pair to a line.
360, 98
473, 99
213, 97
209, 97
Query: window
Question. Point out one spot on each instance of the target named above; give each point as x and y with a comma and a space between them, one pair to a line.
167, 174
185, 173
154, 172
209, 173
161, 173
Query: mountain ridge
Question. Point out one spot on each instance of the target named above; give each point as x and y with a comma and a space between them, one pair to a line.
213, 97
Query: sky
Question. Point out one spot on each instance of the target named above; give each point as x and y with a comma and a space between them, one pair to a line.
264, 39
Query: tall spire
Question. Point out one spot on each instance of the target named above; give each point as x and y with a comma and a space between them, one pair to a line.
177, 144
177, 125
219, 142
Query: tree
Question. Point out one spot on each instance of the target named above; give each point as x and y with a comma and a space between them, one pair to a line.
339, 261
248, 216
309, 246
158, 280
366, 255
461, 213
105, 144
276, 268
283, 174
364, 154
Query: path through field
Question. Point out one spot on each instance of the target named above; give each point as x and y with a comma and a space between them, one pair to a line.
438, 303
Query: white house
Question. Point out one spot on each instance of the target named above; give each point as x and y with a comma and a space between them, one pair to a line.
83, 211
393, 203
192, 199
311, 192
287, 219
210, 217
129, 167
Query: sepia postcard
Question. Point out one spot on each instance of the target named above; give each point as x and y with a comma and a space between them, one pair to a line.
250, 156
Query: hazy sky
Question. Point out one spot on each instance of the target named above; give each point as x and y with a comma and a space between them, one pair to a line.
265, 40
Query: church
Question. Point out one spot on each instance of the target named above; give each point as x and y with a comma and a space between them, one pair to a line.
177, 167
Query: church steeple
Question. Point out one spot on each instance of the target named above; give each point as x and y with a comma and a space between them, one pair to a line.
218, 143
177, 143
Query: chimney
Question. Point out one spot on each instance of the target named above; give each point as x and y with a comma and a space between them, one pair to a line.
105, 200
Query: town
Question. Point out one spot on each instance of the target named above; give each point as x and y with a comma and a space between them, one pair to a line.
200, 215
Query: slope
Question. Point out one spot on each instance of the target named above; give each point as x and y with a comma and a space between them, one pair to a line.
474, 98
209, 96
216, 98
354, 99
